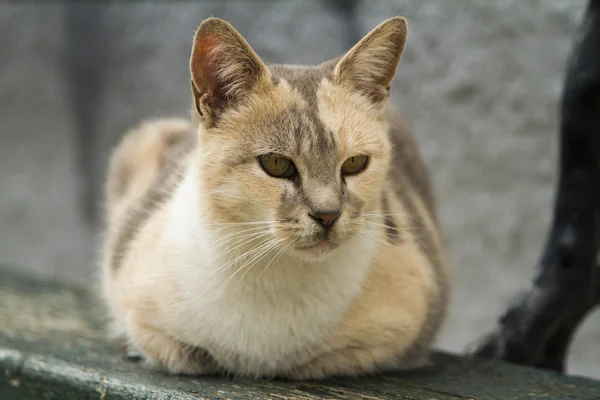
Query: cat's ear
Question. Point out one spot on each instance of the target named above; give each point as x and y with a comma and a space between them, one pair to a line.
224, 69
371, 64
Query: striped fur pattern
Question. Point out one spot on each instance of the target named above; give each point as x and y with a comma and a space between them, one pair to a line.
213, 266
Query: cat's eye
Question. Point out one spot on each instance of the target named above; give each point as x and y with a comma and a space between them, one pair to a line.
277, 166
354, 165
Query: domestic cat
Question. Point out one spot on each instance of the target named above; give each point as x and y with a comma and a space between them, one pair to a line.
288, 231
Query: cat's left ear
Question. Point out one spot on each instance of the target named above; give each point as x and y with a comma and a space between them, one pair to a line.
370, 65
224, 69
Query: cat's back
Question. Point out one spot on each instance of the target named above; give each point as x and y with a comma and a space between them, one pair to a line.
408, 170
143, 171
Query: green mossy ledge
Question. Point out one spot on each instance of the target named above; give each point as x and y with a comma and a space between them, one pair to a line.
52, 347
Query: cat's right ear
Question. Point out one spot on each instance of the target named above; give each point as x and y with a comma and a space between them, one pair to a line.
224, 69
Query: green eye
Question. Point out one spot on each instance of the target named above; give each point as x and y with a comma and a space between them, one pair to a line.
354, 165
277, 166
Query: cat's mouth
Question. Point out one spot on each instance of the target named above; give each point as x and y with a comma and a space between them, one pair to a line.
316, 246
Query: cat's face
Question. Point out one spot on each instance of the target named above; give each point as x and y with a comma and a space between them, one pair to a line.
299, 156
312, 167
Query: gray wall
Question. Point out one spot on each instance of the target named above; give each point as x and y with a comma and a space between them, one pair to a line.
479, 83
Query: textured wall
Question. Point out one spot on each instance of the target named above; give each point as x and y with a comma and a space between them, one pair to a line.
479, 83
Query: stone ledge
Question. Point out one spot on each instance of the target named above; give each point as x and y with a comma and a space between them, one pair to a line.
52, 347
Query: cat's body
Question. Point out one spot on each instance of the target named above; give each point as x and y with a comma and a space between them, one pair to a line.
214, 262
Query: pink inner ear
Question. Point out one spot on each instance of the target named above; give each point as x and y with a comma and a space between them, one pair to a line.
205, 68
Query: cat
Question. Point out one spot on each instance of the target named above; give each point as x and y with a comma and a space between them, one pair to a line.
287, 231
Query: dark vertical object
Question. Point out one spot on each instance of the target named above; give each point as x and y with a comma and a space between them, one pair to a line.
86, 59
539, 328
347, 11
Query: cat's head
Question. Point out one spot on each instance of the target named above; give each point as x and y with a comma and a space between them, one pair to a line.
297, 154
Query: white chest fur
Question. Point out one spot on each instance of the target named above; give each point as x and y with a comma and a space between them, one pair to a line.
272, 317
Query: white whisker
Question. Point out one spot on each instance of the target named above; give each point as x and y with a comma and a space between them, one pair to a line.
257, 253
274, 246
275, 257
228, 264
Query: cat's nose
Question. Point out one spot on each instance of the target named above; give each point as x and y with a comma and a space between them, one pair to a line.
326, 218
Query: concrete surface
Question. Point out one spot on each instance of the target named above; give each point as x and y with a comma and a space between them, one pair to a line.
479, 83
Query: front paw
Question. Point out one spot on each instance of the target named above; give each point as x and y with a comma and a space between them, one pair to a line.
162, 351
190, 360
132, 353
171, 356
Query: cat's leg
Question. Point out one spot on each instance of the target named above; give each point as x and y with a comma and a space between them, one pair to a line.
161, 351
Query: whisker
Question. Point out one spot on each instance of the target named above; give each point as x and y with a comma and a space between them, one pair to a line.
387, 227
235, 234
239, 242
389, 215
279, 241
275, 257
399, 233
257, 254
409, 230
228, 264
234, 239
234, 224
383, 241
377, 237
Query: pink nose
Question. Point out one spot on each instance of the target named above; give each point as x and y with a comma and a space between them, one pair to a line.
326, 218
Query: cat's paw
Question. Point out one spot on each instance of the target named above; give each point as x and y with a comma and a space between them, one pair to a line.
179, 359
163, 352
192, 361
132, 353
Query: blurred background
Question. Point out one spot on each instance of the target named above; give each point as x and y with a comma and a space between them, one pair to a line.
479, 83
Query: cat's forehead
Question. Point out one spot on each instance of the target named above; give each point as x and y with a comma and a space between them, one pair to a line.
304, 79
304, 132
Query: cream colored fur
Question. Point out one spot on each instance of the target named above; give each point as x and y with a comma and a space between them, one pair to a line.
207, 264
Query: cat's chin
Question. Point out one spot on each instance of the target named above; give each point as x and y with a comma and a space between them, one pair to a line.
317, 252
